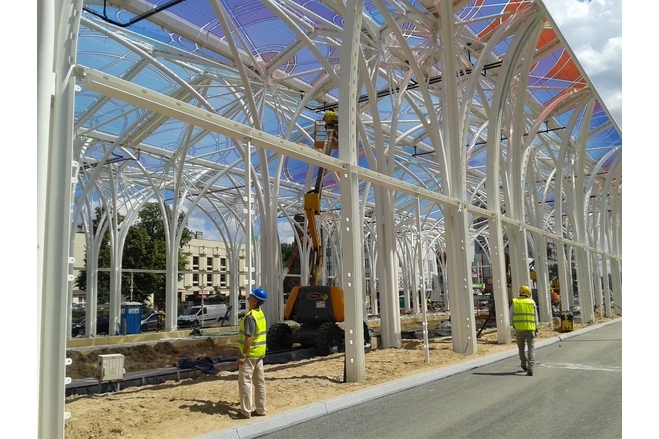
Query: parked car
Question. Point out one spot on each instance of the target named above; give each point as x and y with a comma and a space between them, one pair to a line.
102, 326
149, 321
197, 316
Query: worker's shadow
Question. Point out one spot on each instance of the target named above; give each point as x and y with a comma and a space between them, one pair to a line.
212, 408
500, 373
305, 377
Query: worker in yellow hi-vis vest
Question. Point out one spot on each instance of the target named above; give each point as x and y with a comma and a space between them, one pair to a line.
252, 345
331, 119
524, 318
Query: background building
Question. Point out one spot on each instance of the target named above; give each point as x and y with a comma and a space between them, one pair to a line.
208, 273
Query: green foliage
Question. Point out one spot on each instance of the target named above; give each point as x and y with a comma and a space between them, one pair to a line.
286, 251
144, 249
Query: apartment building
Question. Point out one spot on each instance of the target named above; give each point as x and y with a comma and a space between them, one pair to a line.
208, 269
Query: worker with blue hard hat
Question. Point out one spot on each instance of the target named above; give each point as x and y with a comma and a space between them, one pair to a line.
251, 343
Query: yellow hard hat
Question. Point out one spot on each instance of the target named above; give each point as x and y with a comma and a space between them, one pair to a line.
524, 290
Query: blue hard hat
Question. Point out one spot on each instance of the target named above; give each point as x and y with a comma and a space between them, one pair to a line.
260, 294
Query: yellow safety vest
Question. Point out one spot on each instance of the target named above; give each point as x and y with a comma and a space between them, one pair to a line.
257, 348
524, 314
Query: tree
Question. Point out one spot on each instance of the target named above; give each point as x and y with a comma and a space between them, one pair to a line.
286, 251
144, 249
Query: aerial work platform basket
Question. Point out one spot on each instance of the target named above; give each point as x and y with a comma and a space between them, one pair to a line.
325, 136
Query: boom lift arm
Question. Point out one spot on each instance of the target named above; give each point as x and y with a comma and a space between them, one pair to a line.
315, 308
312, 205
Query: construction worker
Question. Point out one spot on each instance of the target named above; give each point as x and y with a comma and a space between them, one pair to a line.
331, 119
160, 320
555, 298
524, 318
555, 301
251, 342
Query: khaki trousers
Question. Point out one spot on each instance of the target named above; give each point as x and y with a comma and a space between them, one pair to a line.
251, 376
526, 339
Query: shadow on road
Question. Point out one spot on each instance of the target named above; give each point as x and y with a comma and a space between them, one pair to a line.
500, 373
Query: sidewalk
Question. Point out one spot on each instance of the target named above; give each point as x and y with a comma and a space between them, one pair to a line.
279, 421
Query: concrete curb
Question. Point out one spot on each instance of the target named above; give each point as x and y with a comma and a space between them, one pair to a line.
270, 424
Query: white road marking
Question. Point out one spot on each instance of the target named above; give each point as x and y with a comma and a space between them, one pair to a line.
581, 367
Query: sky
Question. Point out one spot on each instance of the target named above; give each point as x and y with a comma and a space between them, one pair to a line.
593, 30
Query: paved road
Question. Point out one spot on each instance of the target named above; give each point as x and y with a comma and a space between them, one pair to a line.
576, 393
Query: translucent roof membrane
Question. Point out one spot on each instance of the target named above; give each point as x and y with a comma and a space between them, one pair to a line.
274, 66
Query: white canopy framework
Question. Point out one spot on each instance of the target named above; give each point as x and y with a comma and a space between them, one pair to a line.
462, 123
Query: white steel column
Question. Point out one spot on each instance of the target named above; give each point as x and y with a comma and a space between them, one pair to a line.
519, 262
596, 280
615, 229
606, 291
372, 261
351, 224
604, 260
518, 63
542, 277
417, 269
499, 289
593, 224
495, 224
494, 179
171, 284
247, 201
599, 235
463, 325
565, 275
55, 184
616, 280
93, 241
424, 302
584, 284
117, 234
583, 211
45, 92
387, 271
268, 252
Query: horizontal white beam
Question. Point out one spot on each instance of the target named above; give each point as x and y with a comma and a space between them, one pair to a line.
116, 88
159, 103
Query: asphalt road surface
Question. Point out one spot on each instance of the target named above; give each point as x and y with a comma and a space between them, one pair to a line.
576, 392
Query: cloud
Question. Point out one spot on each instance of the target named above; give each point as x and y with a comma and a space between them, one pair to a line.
593, 29
605, 60
604, 68
285, 232
198, 222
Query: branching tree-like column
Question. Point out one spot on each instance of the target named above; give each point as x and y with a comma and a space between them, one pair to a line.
351, 223
463, 327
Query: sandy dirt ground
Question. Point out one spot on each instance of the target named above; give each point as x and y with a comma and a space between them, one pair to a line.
193, 407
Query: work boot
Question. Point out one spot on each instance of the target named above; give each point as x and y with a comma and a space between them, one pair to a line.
242, 415
529, 373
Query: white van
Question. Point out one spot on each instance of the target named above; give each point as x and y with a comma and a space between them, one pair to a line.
196, 317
